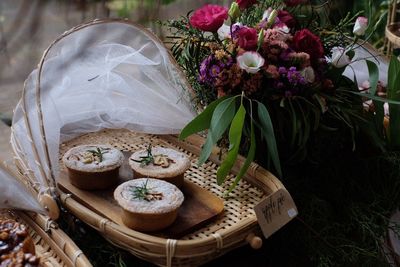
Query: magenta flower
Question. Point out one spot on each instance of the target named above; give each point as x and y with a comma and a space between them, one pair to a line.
247, 38
209, 18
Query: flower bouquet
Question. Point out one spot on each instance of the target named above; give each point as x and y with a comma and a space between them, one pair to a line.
281, 84
269, 72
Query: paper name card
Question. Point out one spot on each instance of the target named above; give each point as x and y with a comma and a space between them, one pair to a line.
275, 211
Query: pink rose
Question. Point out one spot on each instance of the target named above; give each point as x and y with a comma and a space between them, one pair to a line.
209, 18
287, 18
243, 4
247, 38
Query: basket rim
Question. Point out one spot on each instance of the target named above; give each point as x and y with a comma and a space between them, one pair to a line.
257, 176
48, 230
56, 239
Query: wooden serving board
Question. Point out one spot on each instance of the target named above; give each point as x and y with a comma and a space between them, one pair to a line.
199, 207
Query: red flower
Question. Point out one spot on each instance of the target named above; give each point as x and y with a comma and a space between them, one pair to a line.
294, 2
209, 17
286, 18
306, 41
243, 4
247, 38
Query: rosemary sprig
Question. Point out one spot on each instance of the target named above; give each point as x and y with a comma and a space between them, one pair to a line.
143, 193
146, 160
98, 153
140, 192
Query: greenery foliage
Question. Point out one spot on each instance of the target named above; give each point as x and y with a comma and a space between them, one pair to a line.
337, 158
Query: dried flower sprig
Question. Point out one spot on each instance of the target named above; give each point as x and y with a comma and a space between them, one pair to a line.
143, 193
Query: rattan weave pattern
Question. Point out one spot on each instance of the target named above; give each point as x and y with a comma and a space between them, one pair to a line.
237, 207
53, 247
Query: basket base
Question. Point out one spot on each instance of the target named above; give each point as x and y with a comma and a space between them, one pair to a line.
200, 205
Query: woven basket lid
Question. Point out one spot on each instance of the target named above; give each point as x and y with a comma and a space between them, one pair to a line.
103, 74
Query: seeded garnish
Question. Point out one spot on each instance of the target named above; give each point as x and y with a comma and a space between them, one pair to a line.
143, 192
98, 153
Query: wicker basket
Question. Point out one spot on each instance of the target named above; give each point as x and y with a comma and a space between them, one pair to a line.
52, 245
236, 226
392, 32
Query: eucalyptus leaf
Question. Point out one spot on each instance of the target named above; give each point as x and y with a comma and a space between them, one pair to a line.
249, 159
378, 98
320, 102
221, 118
202, 121
267, 131
235, 136
394, 95
380, 114
373, 76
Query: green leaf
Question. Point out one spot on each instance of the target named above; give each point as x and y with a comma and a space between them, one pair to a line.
221, 118
321, 103
394, 95
378, 98
380, 114
235, 136
267, 130
249, 159
201, 121
373, 76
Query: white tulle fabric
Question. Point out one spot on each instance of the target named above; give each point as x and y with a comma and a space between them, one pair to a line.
14, 195
106, 75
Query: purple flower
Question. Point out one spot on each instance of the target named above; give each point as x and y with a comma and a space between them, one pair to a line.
204, 67
295, 77
210, 69
282, 71
214, 71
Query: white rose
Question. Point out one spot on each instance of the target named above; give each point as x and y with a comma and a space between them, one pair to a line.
339, 57
250, 61
360, 26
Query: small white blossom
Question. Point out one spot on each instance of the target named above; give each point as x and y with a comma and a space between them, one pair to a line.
250, 61
360, 26
339, 57
224, 32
